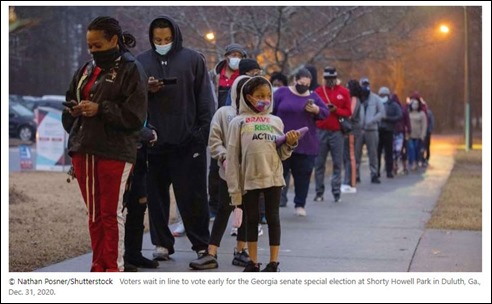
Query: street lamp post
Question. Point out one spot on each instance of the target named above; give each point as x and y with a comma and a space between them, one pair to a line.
468, 139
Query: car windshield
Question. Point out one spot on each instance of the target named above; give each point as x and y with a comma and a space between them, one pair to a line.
21, 110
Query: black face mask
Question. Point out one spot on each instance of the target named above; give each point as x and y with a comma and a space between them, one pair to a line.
330, 82
104, 59
301, 89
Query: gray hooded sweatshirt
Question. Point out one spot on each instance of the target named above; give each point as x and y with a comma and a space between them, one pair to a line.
253, 159
217, 140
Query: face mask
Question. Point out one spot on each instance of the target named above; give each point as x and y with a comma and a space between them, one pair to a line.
234, 63
163, 49
331, 82
301, 89
274, 89
415, 106
262, 105
104, 59
385, 99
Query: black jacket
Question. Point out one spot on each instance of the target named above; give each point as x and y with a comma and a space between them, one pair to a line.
181, 112
121, 92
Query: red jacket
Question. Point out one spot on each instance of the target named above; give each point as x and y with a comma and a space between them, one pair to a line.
340, 97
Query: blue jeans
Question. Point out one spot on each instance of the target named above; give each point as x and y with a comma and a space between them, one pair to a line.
301, 166
329, 141
414, 145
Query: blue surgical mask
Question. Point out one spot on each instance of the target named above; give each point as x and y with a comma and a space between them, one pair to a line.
234, 63
163, 49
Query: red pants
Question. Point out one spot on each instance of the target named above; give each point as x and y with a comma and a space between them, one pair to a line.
102, 182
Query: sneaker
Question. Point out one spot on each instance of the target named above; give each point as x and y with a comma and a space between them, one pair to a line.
390, 175
348, 189
271, 267
252, 267
130, 267
142, 262
318, 198
337, 198
260, 230
161, 253
179, 230
204, 261
234, 231
241, 258
300, 211
375, 180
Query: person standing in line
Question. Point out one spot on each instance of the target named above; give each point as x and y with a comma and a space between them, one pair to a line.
222, 76
298, 107
373, 111
254, 166
218, 142
180, 107
106, 108
337, 98
135, 201
392, 114
353, 141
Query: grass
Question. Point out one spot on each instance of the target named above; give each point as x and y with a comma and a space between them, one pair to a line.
460, 205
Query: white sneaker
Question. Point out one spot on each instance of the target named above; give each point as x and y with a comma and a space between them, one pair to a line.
260, 230
300, 211
348, 189
161, 253
179, 230
234, 231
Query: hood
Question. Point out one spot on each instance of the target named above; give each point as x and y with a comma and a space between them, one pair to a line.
219, 66
234, 90
177, 37
243, 106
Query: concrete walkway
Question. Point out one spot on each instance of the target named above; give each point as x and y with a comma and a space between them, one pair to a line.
381, 228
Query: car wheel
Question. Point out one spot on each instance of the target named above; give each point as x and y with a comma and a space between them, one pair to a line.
26, 133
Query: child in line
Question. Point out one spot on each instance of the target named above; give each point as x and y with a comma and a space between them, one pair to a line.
217, 142
254, 165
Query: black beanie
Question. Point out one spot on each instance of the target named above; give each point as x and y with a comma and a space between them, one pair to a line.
247, 64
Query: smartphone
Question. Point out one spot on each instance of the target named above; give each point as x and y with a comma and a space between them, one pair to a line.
310, 102
168, 81
330, 105
69, 104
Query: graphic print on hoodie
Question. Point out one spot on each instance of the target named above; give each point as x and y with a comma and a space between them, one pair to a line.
253, 159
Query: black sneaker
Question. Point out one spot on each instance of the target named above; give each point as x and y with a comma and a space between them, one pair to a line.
271, 267
252, 267
143, 262
390, 175
204, 261
337, 199
130, 268
241, 258
375, 180
318, 198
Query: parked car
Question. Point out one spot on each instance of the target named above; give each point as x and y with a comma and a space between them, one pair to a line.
21, 122
33, 102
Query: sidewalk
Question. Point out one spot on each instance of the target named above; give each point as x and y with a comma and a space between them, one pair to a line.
381, 228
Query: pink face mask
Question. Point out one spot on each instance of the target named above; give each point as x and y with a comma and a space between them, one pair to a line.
262, 105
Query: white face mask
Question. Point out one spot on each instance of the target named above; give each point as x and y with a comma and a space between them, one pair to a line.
163, 49
385, 99
234, 63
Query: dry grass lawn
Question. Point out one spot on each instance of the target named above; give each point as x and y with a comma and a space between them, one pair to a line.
460, 204
47, 220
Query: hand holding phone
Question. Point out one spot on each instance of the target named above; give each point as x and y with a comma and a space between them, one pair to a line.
169, 81
69, 104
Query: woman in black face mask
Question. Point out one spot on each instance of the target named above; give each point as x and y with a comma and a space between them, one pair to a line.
298, 107
106, 109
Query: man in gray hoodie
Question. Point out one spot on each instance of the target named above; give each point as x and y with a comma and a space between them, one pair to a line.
374, 112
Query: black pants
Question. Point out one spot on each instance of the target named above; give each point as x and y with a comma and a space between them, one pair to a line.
250, 215
186, 169
222, 217
426, 148
135, 198
386, 143
213, 186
